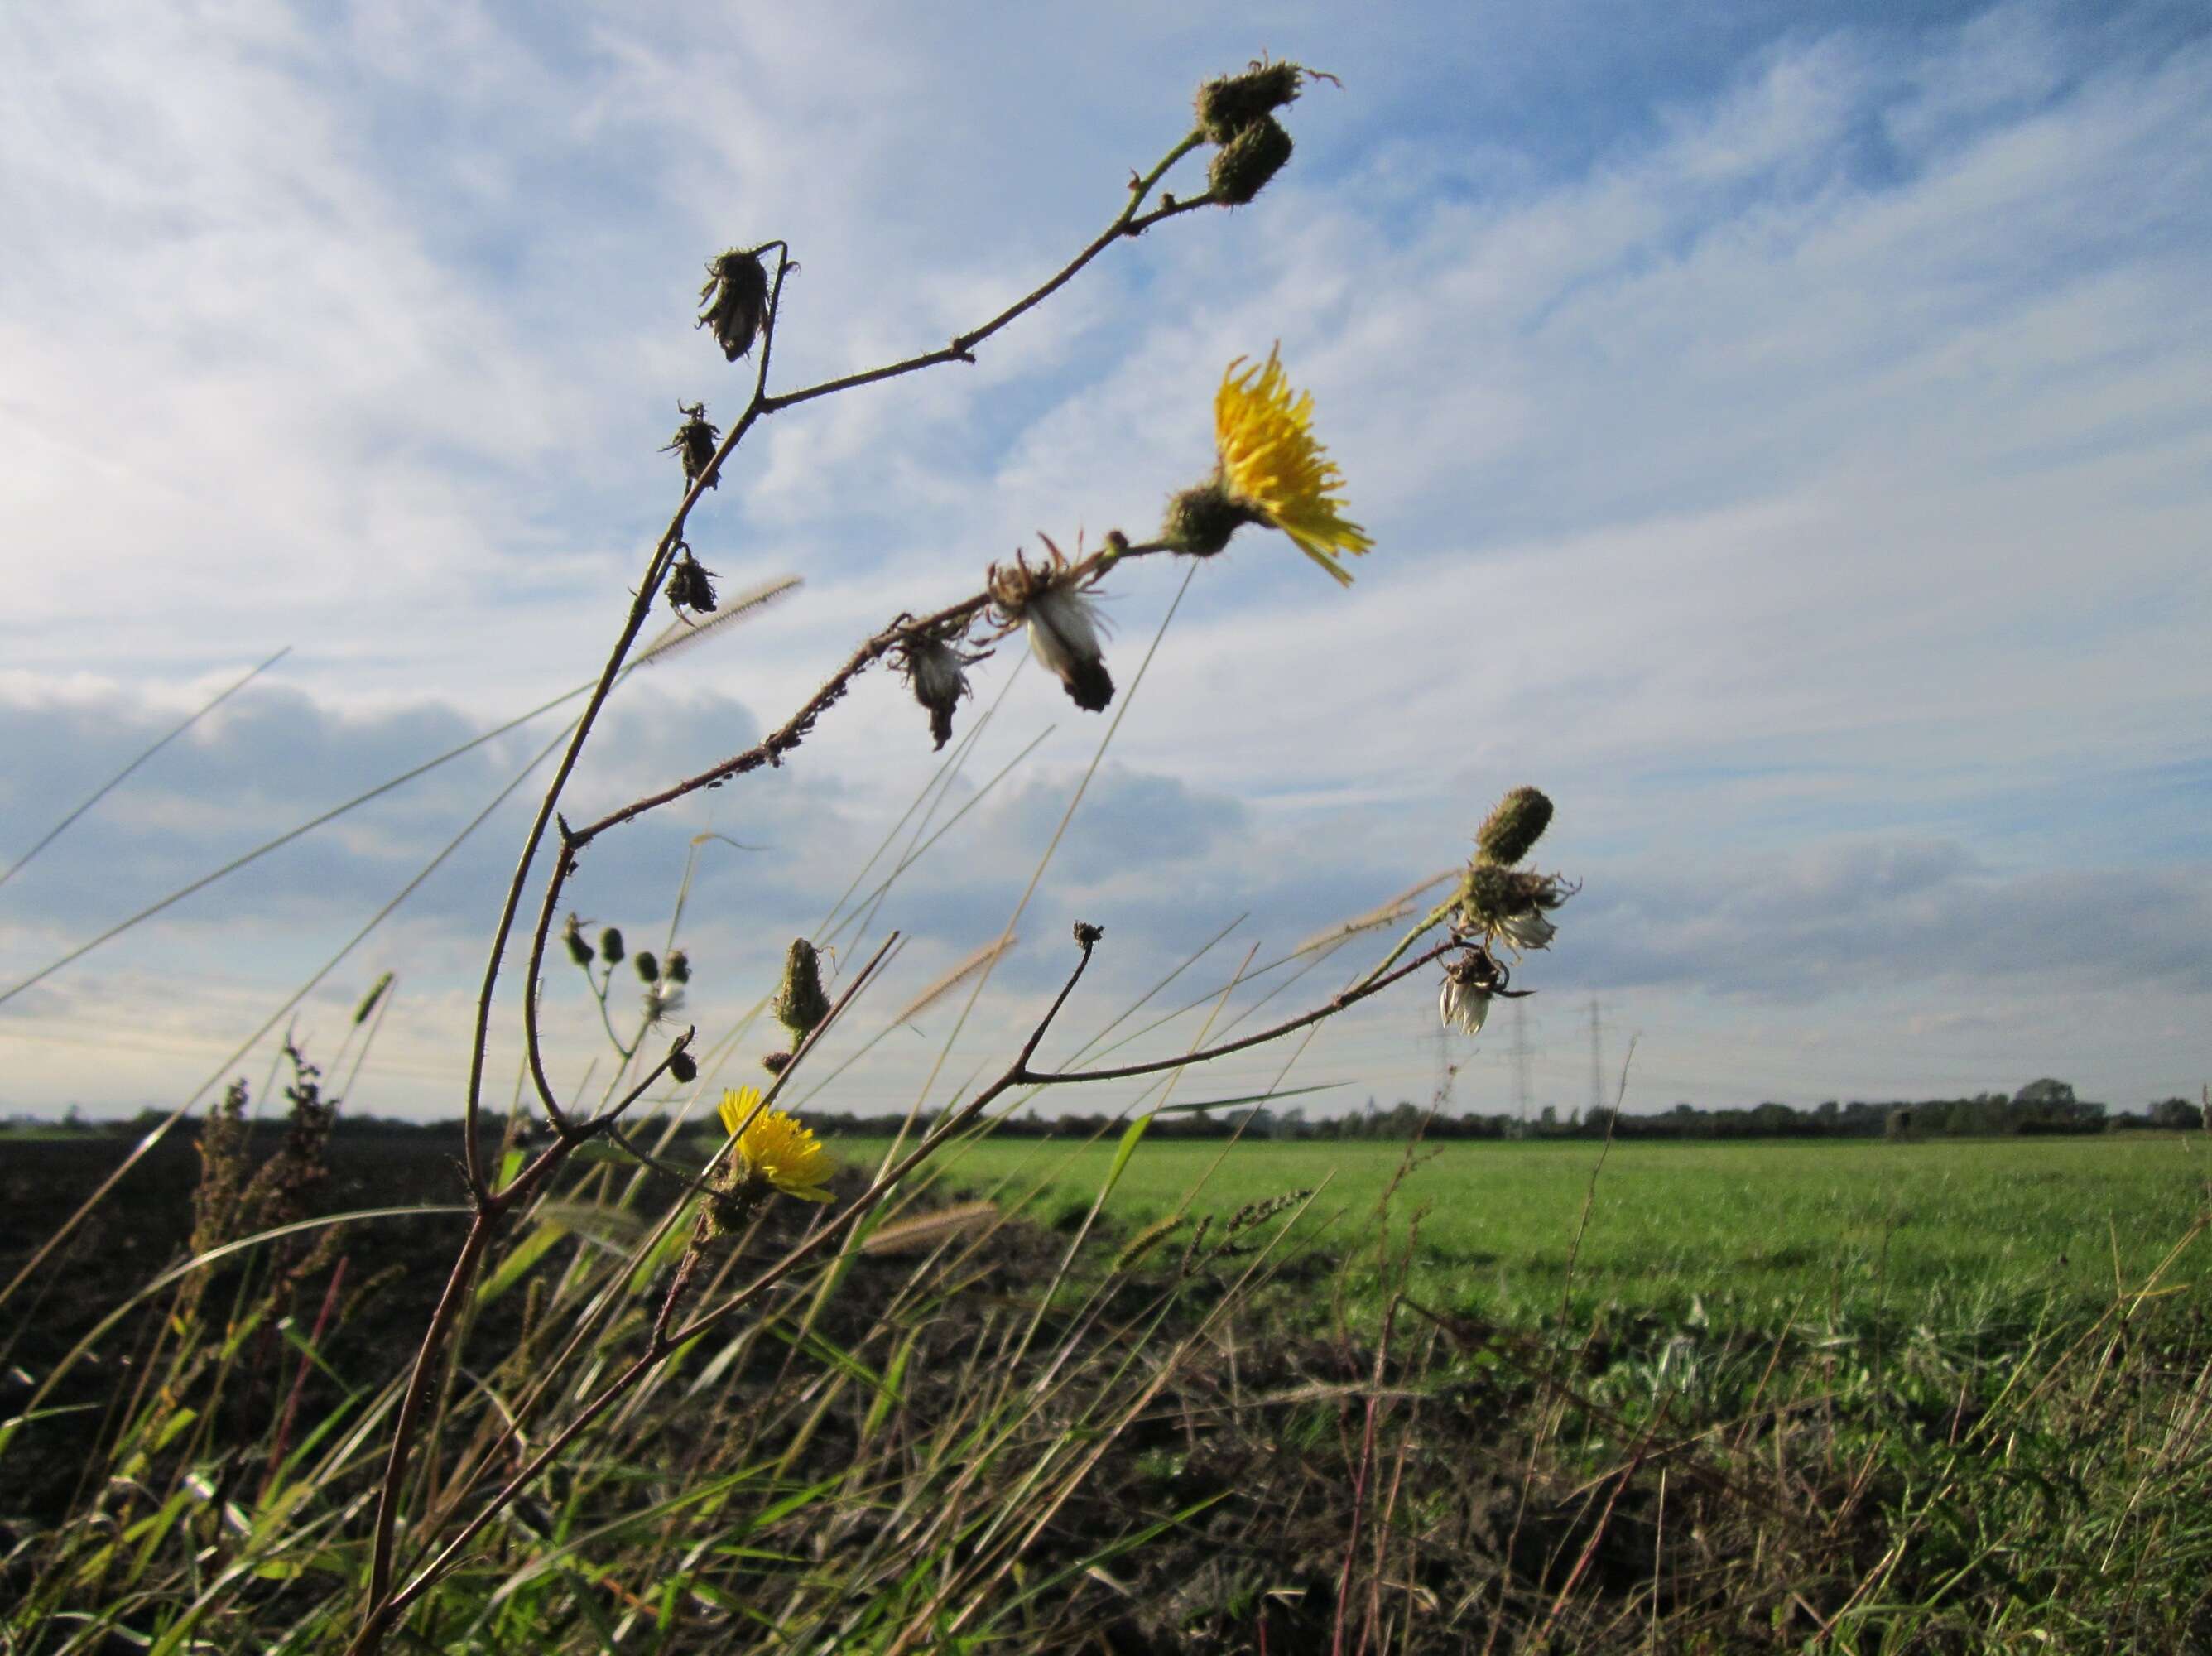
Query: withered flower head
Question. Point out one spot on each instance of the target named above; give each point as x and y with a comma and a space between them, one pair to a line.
736, 297
1241, 168
938, 674
691, 585
660, 999
1230, 103
677, 969
694, 443
1062, 621
1512, 905
800, 1002
1471, 982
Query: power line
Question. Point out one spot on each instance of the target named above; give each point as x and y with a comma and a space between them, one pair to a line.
1521, 1054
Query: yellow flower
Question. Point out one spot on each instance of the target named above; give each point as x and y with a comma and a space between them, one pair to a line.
774, 1148
1271, 463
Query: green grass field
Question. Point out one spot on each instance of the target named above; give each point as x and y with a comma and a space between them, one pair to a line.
1945, 1232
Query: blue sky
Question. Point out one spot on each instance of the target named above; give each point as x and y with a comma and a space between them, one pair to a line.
1785, 431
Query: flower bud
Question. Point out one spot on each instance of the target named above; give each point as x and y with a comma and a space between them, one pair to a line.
1228, 104
1242, 166
682, 1066
776, 1062
611, 947
691, 585
736, 297
647, 968
677, 969
1199, 520
580, 946
1511, 831
800, 1005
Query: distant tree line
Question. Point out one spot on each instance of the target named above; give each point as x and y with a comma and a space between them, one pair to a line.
2047, 1106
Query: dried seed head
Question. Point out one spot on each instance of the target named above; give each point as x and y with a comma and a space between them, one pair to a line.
1242, 167
1470, 982
1511, 831
1062, 622
691, 585
938, 674
677, 969
660, 1000
799, 1003
647, 968
1228, 104
735, 300
1087, 935
1199, 520
694, 443
611, 947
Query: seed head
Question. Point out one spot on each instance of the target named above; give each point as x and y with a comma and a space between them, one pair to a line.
938, 675
691, 585
694, 443
648, 969
677, 969
735, 300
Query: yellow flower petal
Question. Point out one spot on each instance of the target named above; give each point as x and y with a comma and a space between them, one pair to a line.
774, 1148
1271, 461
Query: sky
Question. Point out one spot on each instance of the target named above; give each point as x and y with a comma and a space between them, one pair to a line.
1785, 432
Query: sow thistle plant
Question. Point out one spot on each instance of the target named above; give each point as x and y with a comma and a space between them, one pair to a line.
1271, 473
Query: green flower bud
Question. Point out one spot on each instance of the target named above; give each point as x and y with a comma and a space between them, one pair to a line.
580, 946
1511, 831
648, 969
611, 947
1228, 104
800, 1004
1242, 166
